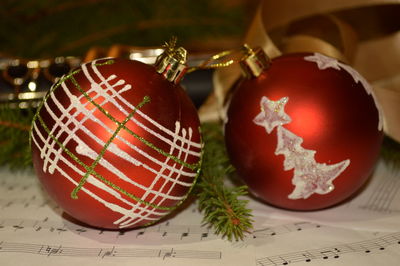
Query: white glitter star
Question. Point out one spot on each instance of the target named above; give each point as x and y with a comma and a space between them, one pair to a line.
272, 114
323, 61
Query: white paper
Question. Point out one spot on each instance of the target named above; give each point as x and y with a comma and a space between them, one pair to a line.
363, 231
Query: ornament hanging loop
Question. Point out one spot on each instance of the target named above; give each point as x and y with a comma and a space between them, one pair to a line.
219, 60
252, 62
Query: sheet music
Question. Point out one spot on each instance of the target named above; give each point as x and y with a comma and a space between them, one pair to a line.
362, 231
375, 208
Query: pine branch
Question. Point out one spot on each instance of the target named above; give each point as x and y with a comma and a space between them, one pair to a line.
221, 205
14, 137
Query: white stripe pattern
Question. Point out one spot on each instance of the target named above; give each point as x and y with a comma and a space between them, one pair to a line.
170, 172
89, 180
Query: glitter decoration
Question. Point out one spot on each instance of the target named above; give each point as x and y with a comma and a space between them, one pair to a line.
309, 176
297, 132
325, 62
289, 145
65, 142
272, 114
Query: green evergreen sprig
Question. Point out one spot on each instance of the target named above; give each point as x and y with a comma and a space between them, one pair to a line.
14, 136
221, 205
390, 151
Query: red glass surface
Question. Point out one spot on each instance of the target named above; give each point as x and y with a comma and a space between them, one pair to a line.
331, 112
168, 106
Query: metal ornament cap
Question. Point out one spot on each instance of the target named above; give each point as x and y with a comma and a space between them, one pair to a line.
172, 64
254, 62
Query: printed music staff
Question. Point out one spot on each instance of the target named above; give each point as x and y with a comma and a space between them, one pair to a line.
333, 252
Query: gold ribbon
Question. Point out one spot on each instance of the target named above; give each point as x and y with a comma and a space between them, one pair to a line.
363, 33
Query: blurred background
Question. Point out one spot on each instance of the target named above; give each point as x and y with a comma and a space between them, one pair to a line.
42, 39
45, 28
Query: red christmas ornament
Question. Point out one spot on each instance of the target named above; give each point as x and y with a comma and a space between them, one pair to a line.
116, 144
303, 131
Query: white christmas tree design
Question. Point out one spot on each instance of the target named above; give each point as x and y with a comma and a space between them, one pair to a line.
309, 176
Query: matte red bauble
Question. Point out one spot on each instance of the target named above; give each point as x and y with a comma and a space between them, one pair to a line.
116, 144
304, 132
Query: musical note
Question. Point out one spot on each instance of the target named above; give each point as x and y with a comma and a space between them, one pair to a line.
8, 204
81, 230
31, 224
61, 230
204, 235
277, 261
48, 250
283, 229
107, 253
184, 235
52, 250
164, 230
38, 228
167, 254
263, 232
24, 202
179, 232
140, 233
308, 256
17, 227
326, 254
367, 246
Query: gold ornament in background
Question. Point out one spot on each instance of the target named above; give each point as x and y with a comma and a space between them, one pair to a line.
146, 55
23, 83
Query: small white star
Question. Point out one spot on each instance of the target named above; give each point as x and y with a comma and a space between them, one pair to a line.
323, 61
272, 114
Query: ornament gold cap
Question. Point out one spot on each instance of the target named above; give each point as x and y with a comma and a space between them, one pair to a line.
172, 62
254, 62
